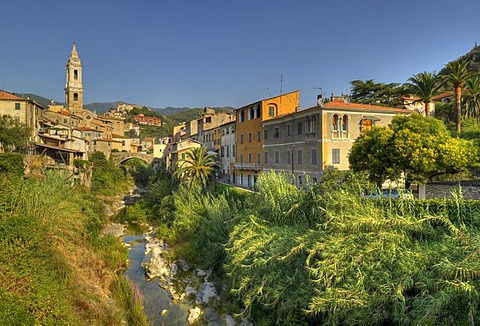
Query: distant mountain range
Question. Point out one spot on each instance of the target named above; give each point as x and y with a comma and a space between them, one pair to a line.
102, 107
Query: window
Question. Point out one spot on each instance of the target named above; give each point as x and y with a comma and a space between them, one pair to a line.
265, 134
75, 96
249, 157
75, 74
308, 126
335, 122
183, 156
335, 156
65, 120
241, 116
289, 130
222, 151
17, 106
314, 180
312, 124
227, 151
277, 157
259, 158
241, 139
251, 114
249, 137
367, 124
233, 150
259, 136
257, 111
266, 157
314, 156
300, 128
241, 158
345, 123
208, 120
300, 156
276, 133
289, 157
241, 179
271, 111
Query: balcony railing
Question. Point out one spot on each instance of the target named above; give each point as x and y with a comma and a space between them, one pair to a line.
248, 166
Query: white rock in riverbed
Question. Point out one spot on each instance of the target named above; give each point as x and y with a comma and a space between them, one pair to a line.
194, 314
206, 292
158, 265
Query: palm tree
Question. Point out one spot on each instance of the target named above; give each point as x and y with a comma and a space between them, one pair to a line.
425, 85
197, 168
458, 74
472, 97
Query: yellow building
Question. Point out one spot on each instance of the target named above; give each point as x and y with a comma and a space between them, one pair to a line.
250, 135
25, 110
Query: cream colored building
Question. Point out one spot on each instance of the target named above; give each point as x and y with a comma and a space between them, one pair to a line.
310, 141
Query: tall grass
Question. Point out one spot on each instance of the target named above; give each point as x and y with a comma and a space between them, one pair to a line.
53, 264
355, 260
131, 300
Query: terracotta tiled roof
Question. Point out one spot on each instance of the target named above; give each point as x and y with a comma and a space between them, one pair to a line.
356, 106
443, 95
9, 96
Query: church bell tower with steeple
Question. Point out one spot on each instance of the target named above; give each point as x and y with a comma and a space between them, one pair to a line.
74, 86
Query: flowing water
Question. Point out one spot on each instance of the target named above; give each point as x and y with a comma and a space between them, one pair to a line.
159, 306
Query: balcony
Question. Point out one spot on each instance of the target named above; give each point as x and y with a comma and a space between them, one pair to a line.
248, 166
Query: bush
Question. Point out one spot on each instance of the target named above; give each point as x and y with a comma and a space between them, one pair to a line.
11, 163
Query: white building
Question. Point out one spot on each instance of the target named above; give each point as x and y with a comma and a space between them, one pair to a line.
227, 152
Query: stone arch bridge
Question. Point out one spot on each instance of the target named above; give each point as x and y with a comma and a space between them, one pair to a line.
120, 157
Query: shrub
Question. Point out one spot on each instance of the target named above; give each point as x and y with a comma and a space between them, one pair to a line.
11, 163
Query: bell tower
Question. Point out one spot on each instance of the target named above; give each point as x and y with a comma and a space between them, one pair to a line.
74, 86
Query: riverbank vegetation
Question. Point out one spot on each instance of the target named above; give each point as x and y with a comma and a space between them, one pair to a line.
327, 255
55, 266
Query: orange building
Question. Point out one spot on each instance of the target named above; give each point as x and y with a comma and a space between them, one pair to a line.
250, 135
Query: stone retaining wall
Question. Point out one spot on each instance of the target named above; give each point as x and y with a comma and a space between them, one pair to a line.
470, 189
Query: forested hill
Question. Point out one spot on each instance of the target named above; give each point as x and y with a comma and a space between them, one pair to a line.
472, 57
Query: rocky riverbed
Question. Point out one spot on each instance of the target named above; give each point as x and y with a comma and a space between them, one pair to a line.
174, 292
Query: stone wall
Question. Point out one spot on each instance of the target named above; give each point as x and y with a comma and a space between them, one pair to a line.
470, 189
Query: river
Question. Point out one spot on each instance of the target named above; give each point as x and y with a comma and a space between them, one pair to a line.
158, 303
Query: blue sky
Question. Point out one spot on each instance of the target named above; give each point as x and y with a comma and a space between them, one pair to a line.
227, 53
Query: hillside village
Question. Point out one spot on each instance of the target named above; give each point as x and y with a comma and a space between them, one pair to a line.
272, 134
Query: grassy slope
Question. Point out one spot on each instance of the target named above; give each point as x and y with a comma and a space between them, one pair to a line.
54, 267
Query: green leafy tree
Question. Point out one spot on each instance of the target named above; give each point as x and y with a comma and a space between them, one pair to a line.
372, 152
457, 76
370, 92
425, 85
197, 168
13, 134
472, 97
416, 148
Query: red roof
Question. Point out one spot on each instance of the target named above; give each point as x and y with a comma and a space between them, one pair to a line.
443, 95
9, 96
343, 105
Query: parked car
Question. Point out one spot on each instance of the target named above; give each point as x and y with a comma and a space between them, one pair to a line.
389, 193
